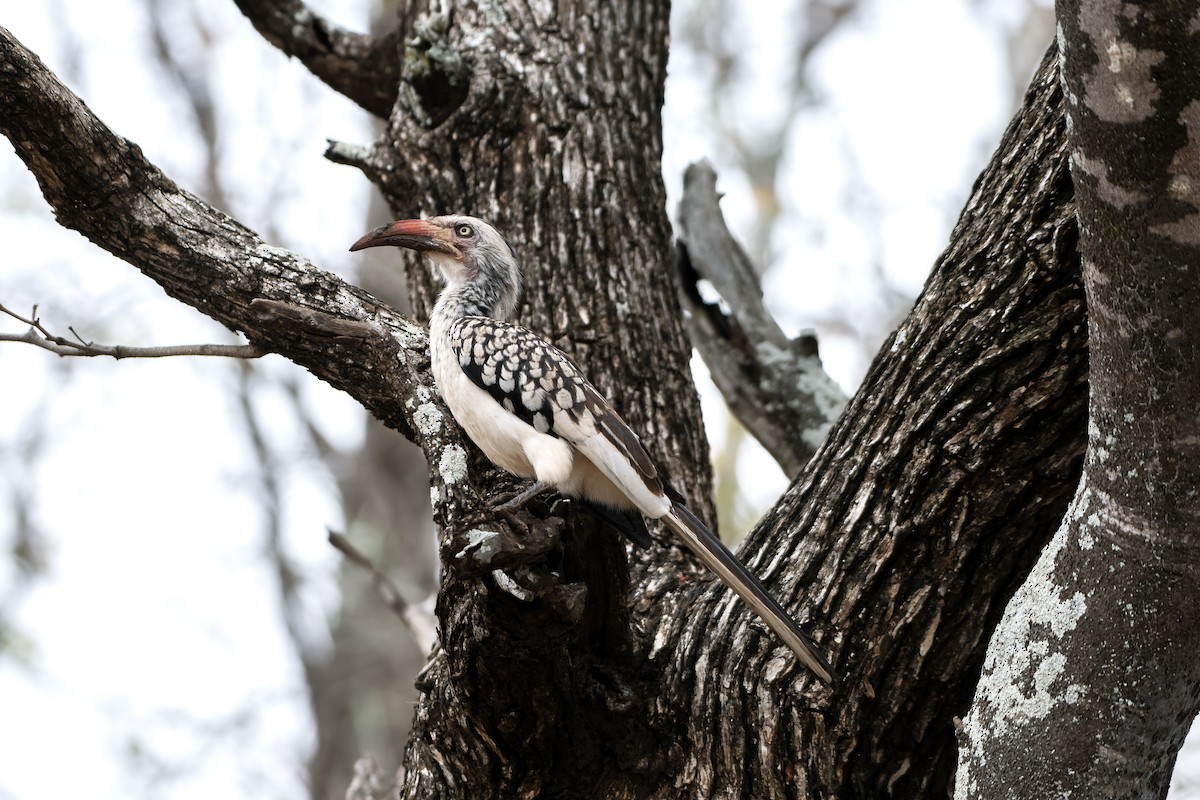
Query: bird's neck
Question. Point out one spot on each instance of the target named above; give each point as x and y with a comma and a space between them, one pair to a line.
460, 300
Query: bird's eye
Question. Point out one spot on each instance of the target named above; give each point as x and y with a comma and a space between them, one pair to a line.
465, 231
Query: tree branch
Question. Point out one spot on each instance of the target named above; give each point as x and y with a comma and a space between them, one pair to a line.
926, 507
278, 299
39, 336
102, 186
774, 385
364, 68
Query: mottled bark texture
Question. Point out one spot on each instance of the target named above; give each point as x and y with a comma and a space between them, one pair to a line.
1092, 680
907, 534
565, 671
546, 120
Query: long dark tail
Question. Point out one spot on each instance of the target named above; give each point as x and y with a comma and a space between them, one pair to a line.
716, 556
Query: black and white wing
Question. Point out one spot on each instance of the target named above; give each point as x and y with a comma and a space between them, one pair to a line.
540, 384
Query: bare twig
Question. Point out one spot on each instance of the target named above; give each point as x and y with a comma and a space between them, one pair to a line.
417, 617
39, 336
774, 385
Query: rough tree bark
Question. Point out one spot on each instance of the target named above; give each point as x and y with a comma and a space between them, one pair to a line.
922, 511
996, 420
1101, 641
568, 667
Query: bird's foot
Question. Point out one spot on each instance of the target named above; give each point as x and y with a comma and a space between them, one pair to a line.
512, 517
518, 500
509, 510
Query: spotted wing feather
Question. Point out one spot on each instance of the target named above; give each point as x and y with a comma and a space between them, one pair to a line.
542, 386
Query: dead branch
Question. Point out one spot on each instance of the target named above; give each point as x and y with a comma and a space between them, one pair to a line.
774, 385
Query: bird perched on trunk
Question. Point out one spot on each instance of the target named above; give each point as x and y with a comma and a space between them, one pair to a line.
530, 409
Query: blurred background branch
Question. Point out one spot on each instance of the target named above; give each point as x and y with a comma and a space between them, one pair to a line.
774, 385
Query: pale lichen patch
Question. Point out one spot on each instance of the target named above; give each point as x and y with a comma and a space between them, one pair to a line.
427, 416
1022, 659
828, 398
824, 390
428, 419
482, 545
1086, 540
452, 466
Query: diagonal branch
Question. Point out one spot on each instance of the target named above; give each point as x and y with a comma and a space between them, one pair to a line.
198, 254
926, 507
203, 257
774, 385
210, 261
362, 67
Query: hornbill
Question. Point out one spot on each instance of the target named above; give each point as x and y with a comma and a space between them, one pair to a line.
530, 409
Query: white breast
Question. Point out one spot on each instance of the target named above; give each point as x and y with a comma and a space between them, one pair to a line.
503, 437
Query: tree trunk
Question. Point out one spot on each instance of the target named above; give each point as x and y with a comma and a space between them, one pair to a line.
921, 513
1101, 641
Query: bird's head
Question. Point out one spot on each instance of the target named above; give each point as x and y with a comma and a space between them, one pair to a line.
467, 250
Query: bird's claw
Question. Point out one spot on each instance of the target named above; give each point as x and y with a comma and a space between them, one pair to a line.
516, 501
512, 517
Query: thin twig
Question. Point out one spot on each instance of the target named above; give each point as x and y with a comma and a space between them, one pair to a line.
39, 336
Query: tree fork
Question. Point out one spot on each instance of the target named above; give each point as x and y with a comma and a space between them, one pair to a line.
921, 513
